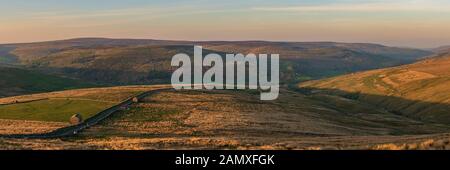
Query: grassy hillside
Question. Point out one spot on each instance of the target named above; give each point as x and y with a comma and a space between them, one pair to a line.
228, 120
17, 81
53, 110
60, 106
125, 61
420, 90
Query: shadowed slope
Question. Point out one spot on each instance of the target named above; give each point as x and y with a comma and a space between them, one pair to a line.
18, 81
420, 90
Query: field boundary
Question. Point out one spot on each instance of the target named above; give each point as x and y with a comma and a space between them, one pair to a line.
75, 129
21, 102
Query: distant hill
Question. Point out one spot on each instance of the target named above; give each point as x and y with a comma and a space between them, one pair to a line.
442, 49
17, 81
420, 90
140, 61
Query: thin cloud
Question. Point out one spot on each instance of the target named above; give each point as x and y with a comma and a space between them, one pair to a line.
412, 6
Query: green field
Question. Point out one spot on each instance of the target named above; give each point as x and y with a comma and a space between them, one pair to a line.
54, 110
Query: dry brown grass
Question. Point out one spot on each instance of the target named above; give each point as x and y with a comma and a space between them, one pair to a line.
238, 120
406, 76
425, 142
224, 113
28, 127
428, 144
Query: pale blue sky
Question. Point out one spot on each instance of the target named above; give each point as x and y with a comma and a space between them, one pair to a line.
415, 23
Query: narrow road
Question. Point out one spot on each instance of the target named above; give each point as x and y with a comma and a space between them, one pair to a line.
75, 129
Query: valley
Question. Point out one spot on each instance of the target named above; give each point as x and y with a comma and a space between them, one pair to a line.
140, 61
332, 96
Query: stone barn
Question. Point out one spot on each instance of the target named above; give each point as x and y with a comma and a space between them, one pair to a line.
135, 99
76, 119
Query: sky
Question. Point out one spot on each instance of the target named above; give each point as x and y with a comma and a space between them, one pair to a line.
405, 23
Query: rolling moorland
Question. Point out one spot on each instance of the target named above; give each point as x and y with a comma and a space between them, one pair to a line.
420, 90
399, 107
222, 120
132, 61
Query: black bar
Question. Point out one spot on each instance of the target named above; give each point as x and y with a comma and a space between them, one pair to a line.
281, 159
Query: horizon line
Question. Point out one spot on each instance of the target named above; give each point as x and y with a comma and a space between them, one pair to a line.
249, 40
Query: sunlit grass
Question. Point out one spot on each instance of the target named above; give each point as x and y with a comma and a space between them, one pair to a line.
54, 110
